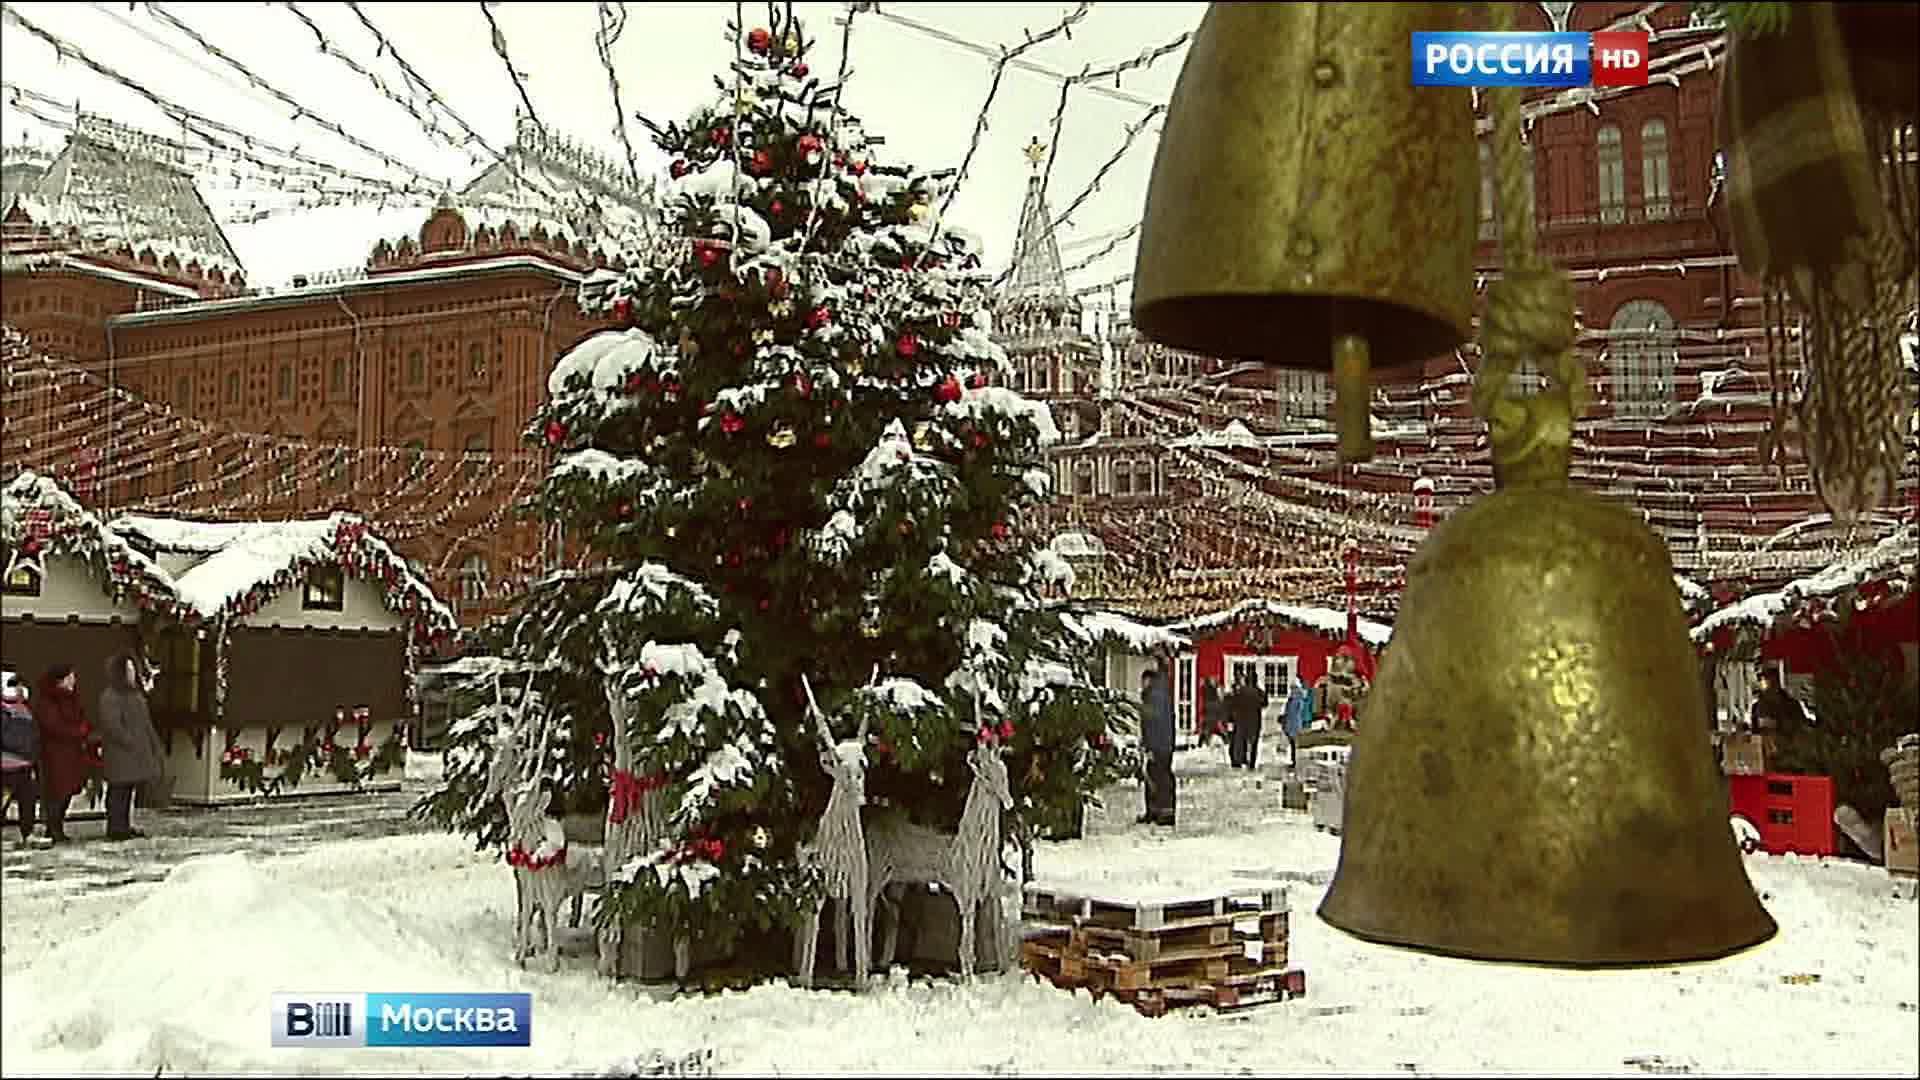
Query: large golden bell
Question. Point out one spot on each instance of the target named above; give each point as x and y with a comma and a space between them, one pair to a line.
1534, 781
1310, 206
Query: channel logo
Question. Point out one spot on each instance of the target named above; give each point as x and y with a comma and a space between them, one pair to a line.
352, 1021
1558, 59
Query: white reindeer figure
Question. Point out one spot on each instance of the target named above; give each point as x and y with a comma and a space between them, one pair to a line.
839, 851
546, 873
964, 863
638, 830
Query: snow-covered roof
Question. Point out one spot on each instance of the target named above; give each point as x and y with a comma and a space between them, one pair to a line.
1323, 621
74, 530
243, 561
1112, 628
1891, 562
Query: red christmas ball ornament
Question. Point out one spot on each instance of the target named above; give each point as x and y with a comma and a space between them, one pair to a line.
636, 382
556, 433
980, 440
599, 738
818, 318
947, 391
765, 603
780, 537
622, 310
799, 71
977, 381
802, 385
732, 424
908, 345
952, 320
906, 528
678, 169
1006, 730
30, 548
623, 511
734, 559
808, 144
857, 168
777, 208
1000, 530
709, 254
761, 163
777, 286
759, 40
745, 504
721, 136
985, 734
822, 440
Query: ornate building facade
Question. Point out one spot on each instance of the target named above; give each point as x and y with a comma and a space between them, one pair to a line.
149, 376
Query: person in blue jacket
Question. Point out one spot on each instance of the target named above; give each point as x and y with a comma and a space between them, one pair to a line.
1298, 715
1156, 737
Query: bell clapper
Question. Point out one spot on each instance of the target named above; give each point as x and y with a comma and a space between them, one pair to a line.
1352, 391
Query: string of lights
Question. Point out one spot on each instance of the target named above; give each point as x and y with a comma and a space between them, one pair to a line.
996, 53
613, 23
328, 48
300, 110
199, 125
519, 78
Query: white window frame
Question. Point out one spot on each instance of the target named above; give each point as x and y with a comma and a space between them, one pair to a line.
1656, 182
1275, 674
1610, 156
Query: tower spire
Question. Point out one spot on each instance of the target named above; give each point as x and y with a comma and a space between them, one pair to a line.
1036, 278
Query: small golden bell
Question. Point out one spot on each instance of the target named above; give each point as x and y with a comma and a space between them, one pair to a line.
923, 436
781, 437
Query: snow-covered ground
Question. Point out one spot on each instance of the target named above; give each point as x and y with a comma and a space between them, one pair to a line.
175, 976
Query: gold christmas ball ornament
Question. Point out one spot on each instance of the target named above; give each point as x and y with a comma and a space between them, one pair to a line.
923, 436
780, 309
919, 211
781, 437
761, 838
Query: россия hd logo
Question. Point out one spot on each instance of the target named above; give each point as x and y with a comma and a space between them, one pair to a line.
349, 1021
1529, 58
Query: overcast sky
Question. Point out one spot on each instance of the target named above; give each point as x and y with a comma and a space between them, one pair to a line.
921, 93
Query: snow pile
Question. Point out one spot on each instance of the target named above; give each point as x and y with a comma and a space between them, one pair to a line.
180, 980
183, 979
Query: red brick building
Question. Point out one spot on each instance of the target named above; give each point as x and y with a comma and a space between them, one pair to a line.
398, 390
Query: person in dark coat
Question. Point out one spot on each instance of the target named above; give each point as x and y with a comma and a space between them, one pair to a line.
133, 752
19, 750
1775, 712
1245, 707
64, 731
1156, 737
1212, 712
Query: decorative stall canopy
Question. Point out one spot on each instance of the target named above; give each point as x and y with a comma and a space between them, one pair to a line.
1324, 622
232, 569
1108, 628
38, 519
1864, 601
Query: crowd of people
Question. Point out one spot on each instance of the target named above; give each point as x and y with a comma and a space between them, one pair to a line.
1238, 717
49, 750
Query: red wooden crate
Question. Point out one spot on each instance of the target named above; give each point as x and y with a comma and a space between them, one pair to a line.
1793, 813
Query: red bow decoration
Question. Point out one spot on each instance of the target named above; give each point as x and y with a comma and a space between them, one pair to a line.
518, 856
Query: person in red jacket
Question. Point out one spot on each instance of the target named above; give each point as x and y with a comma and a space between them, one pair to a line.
64, 733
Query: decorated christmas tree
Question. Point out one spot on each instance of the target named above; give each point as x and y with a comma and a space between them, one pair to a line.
790, 468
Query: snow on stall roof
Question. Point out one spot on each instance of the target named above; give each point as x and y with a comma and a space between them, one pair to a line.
237, 556
1136, 636
1318, 619
33, 491
1077, 545
1892, 559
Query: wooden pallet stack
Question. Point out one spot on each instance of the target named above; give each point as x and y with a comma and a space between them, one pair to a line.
1228, 951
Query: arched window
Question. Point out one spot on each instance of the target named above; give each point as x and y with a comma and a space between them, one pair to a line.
1083, 477
1641, 358
1656, 191
416, 368
1613, 174
233, 388
1487, 228
476, 361
1122, 477
339, 378
1143, 477
473, 579
286, 382
477, 448
183, 393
